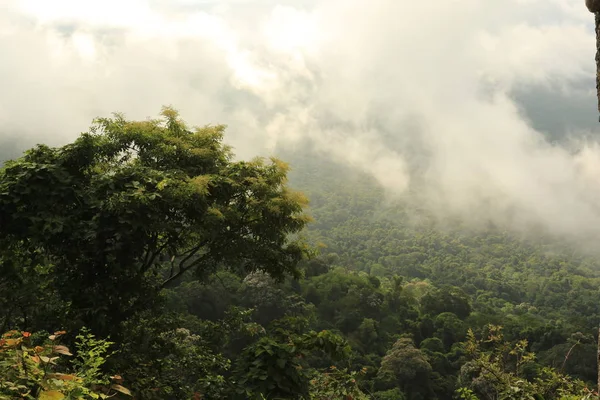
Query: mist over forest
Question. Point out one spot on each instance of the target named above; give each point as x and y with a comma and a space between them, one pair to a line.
299, 199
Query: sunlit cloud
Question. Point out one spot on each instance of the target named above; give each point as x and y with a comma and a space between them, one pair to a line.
418, 94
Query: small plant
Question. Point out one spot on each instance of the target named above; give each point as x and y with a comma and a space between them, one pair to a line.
32, 367
496, 371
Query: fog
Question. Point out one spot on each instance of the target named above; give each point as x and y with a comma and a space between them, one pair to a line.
451, 101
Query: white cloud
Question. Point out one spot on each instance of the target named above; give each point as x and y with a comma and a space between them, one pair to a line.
365, 81
105, 13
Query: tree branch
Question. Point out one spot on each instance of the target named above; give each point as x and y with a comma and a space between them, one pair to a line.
183, 269
190, 253
148, 252
149, 262
567, 356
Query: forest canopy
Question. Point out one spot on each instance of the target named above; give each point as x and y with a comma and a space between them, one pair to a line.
110, 210
142, 260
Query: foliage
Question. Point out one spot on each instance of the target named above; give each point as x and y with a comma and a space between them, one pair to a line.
406, 367
336, 384
195, 264
132, 206
275, 366
174, 357
497, 371
36, 371
184, 351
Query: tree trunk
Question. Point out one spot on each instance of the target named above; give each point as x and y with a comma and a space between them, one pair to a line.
597, 20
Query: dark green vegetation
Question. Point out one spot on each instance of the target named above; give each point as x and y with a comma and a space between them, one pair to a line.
194, 274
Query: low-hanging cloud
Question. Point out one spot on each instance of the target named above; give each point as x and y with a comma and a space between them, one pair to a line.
366, 82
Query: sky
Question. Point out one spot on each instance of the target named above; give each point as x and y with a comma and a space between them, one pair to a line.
484, 108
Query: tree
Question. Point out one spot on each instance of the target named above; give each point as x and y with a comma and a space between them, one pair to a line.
406, 367
336, 384
275, 367
131, 206
449, 328
497, 369
446, 299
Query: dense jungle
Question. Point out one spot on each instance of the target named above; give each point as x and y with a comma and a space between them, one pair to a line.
144, 261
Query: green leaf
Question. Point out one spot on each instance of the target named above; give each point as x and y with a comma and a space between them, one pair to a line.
51, 395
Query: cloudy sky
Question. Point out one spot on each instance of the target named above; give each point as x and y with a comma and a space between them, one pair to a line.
474, 103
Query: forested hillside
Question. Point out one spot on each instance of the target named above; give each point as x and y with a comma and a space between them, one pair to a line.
143, 261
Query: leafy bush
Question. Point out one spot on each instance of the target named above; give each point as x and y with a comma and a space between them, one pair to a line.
32, 367
497, 371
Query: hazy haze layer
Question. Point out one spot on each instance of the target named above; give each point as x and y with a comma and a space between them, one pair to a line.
429, 97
